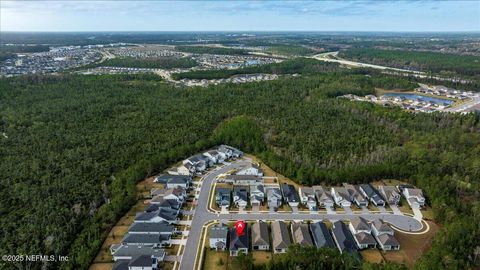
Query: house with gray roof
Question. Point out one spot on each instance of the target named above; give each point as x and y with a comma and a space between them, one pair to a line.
162, 214
290, 195
223, 196
301, 234
274, 198
238, 243
166, 203
127, 252
384, 235
240, 196
343, 238
199, 162
217, 236
152, 228
243, 179
356, 195
361, 231
257, 194
324, 198
260, 237
143, 262
280, 237
321, 235
174, 181
372, 194
414, 197
214, 156
390, 194
179, 194
142, 239
250, 169
230, 151
341, 196
307, 197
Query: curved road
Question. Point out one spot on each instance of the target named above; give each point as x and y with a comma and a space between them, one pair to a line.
202, 215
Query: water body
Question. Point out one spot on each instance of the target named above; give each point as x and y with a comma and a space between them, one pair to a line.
439, 101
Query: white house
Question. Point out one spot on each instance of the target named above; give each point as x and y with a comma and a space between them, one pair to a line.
240, 196
414, 197
250, 169
274, 198
178, 194
214, 156
341, 196
307, 197
257, 194
217, 236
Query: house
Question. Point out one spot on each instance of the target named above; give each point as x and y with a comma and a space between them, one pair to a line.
324, 199
178, 193
223, 197
160, 215
301, 235
260, 237
307, 197
244, 180
230, 152
341, 196
240, 196
274, 198
372, 194
214, 156
250, 169
384, 235
143, 262
217, 236
290, 195
143, 239
404, 186
174, 181
152, 228
361, 231
356, 195
343, 238
257, 194
127, 252
321, 236
414, 197
199, 163
184, 169
390, 194
164, 203
238, 243
280, 237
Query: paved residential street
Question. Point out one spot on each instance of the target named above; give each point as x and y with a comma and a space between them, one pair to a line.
202, 215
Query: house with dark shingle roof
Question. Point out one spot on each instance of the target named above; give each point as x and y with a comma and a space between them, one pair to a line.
343, 238
260, 237
321, 235
238, 243
324, 198
142, 239
143, 262
174, 181
127, 252
152, 228
390, 194
162, 214
361, 231
223, 196
240, 196
356, 195
372, 194
290, 195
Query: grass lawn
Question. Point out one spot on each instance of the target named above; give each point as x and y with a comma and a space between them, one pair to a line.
412, 246
261, 257
101, 266
215, 260
427, 213
372, 255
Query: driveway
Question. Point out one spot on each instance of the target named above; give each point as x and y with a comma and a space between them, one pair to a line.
348, 210
396, 210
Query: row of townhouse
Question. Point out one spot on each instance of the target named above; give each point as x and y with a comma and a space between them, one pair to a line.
143, 245
364, 194
279, 236
256, 194
197, 164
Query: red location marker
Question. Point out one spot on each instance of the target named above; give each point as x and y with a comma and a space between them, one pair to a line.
240, 227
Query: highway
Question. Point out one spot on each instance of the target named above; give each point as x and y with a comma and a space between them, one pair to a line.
202, 215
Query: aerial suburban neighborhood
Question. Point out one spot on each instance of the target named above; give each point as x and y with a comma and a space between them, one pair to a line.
226, 189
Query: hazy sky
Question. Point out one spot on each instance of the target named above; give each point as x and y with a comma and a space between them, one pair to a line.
413, 15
